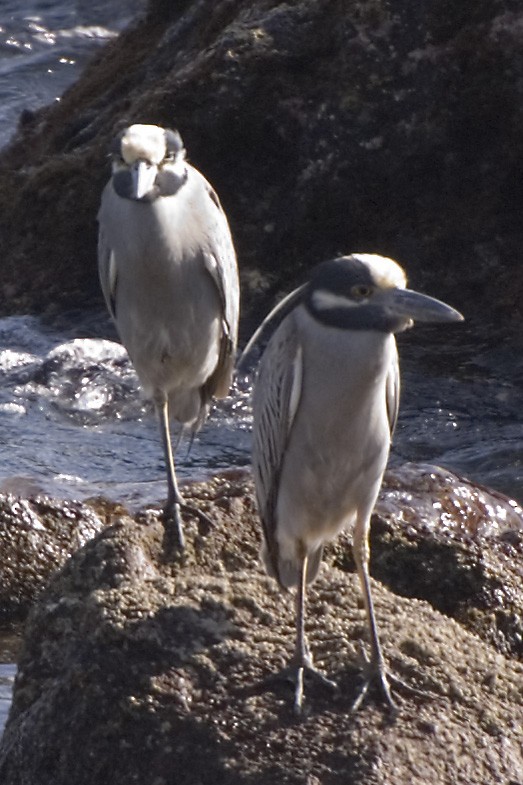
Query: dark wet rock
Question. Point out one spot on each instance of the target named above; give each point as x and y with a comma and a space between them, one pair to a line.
439, 537
135, 669
325, 127
37, 536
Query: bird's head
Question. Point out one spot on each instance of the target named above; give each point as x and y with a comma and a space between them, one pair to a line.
148, 162
368, 292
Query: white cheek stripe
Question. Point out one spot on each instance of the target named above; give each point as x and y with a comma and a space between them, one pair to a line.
323, 300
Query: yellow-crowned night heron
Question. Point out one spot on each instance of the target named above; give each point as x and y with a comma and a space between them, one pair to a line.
169, 276
325, 404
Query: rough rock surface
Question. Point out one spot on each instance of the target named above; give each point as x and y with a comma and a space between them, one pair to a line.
325, 126
37, 536
136, 669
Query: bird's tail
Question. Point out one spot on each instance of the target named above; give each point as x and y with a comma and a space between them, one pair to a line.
288, 571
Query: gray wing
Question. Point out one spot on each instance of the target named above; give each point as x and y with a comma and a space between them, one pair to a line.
276, 398
220, 262
271, 321
393, 392
106, 269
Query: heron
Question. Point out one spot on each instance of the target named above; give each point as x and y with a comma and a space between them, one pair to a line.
169, 275
325, 404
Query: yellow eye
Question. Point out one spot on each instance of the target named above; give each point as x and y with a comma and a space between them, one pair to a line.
361, 291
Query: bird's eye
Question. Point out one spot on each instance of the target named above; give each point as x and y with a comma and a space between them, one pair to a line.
361, 291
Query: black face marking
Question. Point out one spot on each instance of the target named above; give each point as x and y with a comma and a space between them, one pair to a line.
340, 275
343, 277
365, 316
167, 183
123, 183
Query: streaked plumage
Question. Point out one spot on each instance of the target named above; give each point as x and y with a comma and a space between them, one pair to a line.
168, 273
325, 405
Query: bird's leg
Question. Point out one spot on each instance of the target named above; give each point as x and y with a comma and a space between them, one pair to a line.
301, 662
376, 670
175, 503
172, 509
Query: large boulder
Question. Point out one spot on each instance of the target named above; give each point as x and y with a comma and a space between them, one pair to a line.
325, 127
139, 669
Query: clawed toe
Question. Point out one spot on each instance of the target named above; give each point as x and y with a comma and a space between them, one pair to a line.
294, 673
374, 675
174, 540
201, 516
314, 675
378, 678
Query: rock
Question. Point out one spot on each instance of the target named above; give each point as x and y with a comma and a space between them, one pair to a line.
441, 538
37, 537
325, 127
135, 669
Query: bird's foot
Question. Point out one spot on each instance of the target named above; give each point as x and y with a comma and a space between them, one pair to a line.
294, 672
174, 540
377, 676
207, 522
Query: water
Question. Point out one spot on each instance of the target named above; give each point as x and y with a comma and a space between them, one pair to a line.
44, 45
72, 421
9, 645
461, 403
75, 424
7, 677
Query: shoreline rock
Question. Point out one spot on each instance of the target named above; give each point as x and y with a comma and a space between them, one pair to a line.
138, 670
38, 535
